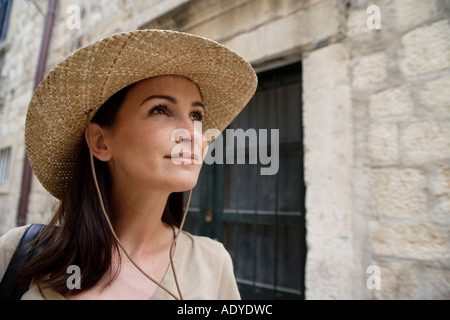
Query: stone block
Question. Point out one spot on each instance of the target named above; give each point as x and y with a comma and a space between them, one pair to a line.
237, 15
443, 190
426, 49
426, 141
391, 102
436, 95
287, 34
357, 23
410, 240
370, 70
439, 281
327, 115
382, 143
412, 12
399, 281
443, 181
397, 192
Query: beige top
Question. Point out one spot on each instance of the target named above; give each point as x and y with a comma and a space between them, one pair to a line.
204, 270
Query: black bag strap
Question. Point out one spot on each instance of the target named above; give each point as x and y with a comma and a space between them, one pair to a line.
9, 288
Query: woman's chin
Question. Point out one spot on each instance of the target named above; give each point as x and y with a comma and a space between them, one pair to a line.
182, 185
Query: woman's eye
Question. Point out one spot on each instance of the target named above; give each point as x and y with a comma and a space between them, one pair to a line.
197, 116
158, 110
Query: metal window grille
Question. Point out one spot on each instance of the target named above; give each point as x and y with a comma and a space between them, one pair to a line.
5, 159
260, 218
5, 10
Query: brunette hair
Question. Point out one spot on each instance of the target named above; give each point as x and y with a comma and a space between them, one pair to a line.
78, 233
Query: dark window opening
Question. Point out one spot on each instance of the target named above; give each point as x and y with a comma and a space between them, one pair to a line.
260, 218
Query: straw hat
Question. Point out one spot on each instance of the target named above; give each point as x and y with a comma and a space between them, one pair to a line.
56, 118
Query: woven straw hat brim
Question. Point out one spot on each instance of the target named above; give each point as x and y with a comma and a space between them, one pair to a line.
56, 119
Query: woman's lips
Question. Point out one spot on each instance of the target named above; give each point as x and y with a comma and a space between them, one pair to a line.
185, 158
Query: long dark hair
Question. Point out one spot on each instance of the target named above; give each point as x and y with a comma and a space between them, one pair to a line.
78, 233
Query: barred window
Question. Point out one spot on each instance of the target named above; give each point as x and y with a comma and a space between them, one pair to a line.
5, 159
5, 10
260, 218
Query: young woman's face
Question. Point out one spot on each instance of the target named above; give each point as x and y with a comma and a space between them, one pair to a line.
156, 140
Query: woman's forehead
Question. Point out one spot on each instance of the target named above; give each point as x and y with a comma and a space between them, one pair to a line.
173, 89
166, 84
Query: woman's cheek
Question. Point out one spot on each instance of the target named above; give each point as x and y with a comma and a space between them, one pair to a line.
205, 149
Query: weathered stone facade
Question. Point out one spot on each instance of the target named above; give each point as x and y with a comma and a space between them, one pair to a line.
376, 122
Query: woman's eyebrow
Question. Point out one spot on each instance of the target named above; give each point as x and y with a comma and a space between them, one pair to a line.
172, 100
169, 98
198, 104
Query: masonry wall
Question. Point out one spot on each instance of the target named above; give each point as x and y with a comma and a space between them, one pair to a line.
20, 56
376, 125
402, 141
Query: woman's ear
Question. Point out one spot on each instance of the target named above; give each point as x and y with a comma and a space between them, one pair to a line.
100, 148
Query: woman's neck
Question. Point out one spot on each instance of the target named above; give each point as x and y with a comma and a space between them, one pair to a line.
138, 221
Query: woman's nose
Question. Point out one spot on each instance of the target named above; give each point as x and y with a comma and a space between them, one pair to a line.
188, 131
189, 140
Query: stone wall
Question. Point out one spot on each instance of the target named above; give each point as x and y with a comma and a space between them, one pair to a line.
402, 142
20, 55
376, 110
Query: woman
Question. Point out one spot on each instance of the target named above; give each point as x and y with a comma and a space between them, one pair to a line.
115, 132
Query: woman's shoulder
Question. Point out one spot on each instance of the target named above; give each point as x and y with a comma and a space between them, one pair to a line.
8, 244
11, 238
202, 246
